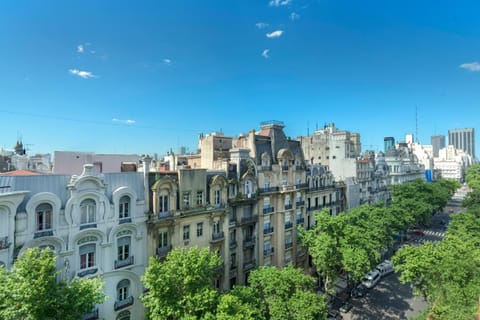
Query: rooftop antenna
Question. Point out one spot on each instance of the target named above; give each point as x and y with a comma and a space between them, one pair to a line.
416, 123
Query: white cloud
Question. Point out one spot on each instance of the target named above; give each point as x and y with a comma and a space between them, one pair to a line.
278, 3
128, 121
261, 25
81, 74
294, 16
265, 53
472, 66
167, 61
274, 34
80, 48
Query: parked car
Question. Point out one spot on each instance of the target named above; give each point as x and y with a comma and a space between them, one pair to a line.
371, 278
418, 232
386, 267
359, 291
346, 307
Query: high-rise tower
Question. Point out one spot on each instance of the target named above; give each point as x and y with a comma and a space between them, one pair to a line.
463, 139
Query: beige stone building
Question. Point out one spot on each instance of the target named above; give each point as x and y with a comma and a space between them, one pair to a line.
245, 203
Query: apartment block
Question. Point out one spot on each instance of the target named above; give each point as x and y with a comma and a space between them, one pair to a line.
94, 223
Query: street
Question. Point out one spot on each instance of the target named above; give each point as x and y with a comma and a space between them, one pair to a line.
390, 299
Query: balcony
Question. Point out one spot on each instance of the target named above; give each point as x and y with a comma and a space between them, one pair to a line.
163, 251
267, 230
301, 186
87, 272
288, 225
287, 187
313, 208
232, 221
288, 206
125, 262
232, 244
91, 315
121, 304
269, 189
300, 221
300, 203
87, 226
4, 244
219, 236
284, 167
46, 233
267, 210
266, 168
125, 220
288, 245
299, 167
249, 242
249, 265
249, 219
165, 215
219, 206
219, 269
242, 198
268, 252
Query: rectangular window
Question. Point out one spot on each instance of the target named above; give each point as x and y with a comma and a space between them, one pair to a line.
123, 248
186, 200
217, 197
200, 229
164, 203
87, 212
163, 239
199, 198
124, 210
233, 260
87, 256
44, 220
186, 232
216, 227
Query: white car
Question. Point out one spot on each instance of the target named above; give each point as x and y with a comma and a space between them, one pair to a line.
371, 278
386, 267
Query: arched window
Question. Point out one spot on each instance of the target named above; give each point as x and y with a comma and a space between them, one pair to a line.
124, 315
124, 254
217, 198
124, 297
43, 217
249, 188
124, 207
87, 211
163, 202
123, 288
87, 256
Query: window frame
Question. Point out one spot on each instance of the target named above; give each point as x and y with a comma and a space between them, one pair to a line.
43, 212
88, 211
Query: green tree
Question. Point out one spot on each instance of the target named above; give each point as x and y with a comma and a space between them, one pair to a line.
31, 291
181, 286
276, 294
472, 176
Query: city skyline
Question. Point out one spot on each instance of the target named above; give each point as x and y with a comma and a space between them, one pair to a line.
116, 78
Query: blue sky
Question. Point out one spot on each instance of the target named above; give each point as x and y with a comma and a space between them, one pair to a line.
146, 76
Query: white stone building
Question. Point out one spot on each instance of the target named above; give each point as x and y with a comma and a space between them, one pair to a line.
95, 223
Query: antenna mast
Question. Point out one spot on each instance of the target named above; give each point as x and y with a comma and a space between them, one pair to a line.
416, 123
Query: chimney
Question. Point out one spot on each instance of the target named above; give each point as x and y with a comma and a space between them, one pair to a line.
87, 170
146, 170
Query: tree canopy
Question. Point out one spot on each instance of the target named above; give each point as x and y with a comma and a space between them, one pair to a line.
353, 242
31, 290
181, 286
447, 273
